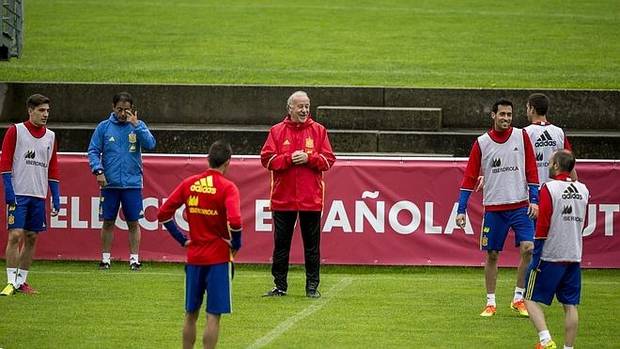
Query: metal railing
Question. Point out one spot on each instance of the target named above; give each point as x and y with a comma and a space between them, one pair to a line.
11, 28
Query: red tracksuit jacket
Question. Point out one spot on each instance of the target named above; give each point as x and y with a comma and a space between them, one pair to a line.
297, 187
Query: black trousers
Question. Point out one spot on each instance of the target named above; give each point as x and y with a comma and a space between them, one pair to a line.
309, 222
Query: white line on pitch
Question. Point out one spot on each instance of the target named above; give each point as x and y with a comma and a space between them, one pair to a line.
240, 275
288, 323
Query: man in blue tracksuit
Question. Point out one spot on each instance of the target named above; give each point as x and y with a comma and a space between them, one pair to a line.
115, 157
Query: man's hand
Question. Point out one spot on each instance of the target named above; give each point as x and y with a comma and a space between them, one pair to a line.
479, 183
460, 220
55, 206
101, 180
229, 242
187, 242
132, 117
532, 211
299, 157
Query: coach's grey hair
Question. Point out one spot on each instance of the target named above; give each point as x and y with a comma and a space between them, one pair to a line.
289, 102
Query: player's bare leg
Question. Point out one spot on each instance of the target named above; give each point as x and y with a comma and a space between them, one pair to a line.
134, 237
490, 281
189, 329
25, 257
490, 271
571, 321
518, 305
525, 250
537, 316
12, 261
107, 236
212, 331
12, 248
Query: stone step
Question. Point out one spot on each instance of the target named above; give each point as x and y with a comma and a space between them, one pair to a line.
379, 118
186, 138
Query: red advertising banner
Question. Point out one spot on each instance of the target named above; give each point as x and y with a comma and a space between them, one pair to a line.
390, 211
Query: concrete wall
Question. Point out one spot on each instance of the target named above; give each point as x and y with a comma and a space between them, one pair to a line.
265, 105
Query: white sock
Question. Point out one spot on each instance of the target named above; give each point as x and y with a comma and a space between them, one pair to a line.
518, 294
491, 299
567, 347
544, 337
105, 257
133, 258
22, 275
11, 275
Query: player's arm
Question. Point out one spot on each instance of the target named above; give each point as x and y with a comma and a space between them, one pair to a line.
271, 158
233, 216
6, 163
472, 171
95, 149
167, 210
531, 175
324, 159
53, 180
543, 221
147, 141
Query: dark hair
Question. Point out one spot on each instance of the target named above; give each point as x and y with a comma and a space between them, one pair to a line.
539, 102
565, 160
122, 97
501, 101
36, 100
219, 153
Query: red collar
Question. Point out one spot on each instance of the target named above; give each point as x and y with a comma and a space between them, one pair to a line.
37, 132
562, 176
500, 136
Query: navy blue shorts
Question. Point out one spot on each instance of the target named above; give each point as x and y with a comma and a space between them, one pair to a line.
546, 279
112, 198
27, 214
215, 280
495, 226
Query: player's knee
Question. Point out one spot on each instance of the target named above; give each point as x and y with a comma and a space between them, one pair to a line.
108, 224
493, 256
527, 249
30, 240
14, 237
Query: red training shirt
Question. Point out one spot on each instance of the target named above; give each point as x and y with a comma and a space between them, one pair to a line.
472, 171
8, 150
212, 206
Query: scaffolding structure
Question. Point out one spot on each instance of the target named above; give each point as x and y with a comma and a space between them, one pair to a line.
11, 29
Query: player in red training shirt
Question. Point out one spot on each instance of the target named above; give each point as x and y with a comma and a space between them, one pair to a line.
505, 157
555, 269
28, 166
213, 213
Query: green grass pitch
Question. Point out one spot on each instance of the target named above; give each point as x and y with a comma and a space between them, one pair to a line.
362, 307
453, 43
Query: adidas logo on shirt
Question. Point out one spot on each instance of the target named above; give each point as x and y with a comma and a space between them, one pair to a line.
571, 192
539, 156
545, 140
30, 154
496, 162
